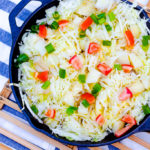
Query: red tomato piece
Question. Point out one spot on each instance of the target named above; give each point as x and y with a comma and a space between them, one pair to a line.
126, 94
129, 119
127, 68
129, 38
103, 68
122, 131
42, 31
89, 97
51, 113
43, 76
76, 62
63, 23
93, 48
100, 120
86, 23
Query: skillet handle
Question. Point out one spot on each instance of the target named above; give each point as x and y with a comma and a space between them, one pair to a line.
145, 126
14, 28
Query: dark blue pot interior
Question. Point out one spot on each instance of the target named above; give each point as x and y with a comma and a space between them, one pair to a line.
17, 34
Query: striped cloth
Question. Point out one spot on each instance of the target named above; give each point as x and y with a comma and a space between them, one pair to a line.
6, 7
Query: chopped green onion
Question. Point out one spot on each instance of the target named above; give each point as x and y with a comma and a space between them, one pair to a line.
49, 48
108, 27
146, 109
146, 37
96, 89
69, 138
56, 15
62, 73
145, 48
118, 66
46, 85
102, 15
22, 58
42, 23
112, 16
34, 109
54, 25
70, 110
34, 28
145, 42
102, 21
106, 43
85, 103
90, 28
82, 34
94, 18
82, 78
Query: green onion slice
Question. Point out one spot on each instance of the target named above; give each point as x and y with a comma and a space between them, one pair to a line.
34, 109
94, 18
54, 25
82, 34
118, 66
22, 58
146, 109
102, 21
62, 73
46, 85
56, 15
50, 48
112, 16
82, 78
106, 43
108, 27
70, 110
85, 103
34, 28
96, 89
102, 15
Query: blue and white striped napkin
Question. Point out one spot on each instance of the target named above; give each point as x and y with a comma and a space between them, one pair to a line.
6, 7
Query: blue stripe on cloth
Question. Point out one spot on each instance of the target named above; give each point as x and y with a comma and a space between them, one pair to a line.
14, 112
8, 6
12, 143
83, 148
111, 147
4, 71
5, 37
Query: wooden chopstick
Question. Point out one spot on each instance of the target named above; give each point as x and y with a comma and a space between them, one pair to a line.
139, 141
19, 140
34, 132
4, 147
121, 146
9, 103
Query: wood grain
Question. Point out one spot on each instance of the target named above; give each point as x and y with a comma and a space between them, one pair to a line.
19, 140
139, 141
34, 132
121, 146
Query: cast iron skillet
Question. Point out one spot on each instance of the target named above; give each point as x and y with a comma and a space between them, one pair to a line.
17, 33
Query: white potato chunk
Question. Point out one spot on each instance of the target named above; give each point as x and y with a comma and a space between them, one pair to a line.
82, 109
135, 61
135, 30
68, 99
118, 125
146, 81
76, 88
93, 76
137, 87
123, 59
86, 8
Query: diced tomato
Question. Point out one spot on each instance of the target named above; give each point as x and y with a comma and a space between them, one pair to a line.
42, 31
122, 131
63, 23
86, 23
76, 62
43, 76
89, 97
129, 119
126, 94
100, 120
93, 48
127, 68
129, 38
51, 113
103, 68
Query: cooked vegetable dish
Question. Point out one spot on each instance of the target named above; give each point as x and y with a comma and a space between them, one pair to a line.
84, 69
